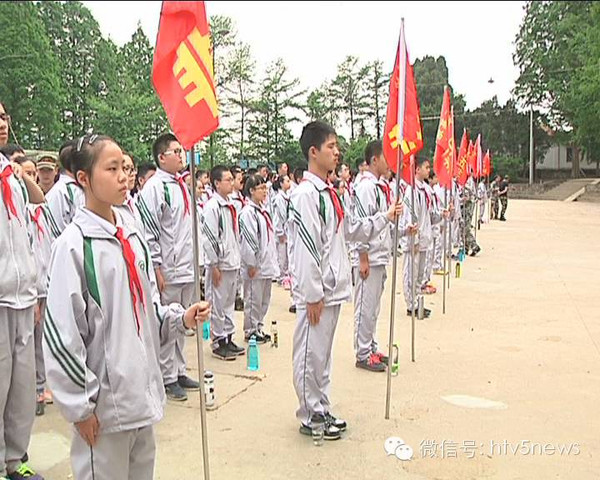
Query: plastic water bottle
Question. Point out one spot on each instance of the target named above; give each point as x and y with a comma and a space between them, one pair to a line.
318, 430
420, 308
252, 357
395, 360
209, 389
457, 270
274, 334
206, 330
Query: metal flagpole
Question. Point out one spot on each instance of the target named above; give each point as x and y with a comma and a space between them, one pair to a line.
393, 299
449, 259
444, 247
412, 259
199, 345
399, 163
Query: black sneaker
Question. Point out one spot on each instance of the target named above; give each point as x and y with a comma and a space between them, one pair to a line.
188, 384
239, 304
265, 336
502, 219
475, 251
175, 392
426, 313
292, 309
336, 422
233, 348
260, 339
222, 352
331, 432
40, 407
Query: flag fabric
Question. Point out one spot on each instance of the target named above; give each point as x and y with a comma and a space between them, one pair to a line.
402, 131
462, 170
444, 145
486, 170
478, 158
182, 71
471, 158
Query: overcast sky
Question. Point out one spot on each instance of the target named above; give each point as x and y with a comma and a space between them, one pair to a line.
477, 38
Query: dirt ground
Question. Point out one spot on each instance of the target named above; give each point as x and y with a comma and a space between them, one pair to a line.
501, 383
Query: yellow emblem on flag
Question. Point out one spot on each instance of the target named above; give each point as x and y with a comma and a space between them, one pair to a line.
196, 73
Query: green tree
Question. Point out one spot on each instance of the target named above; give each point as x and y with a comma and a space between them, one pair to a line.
377, 88
348, 89
557, 54
29, 78
321, 104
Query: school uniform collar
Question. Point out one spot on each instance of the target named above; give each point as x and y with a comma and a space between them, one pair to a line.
67, 179
369, 176
316, 181
255, 205
223, 202
94, 226
4, 162
166, 176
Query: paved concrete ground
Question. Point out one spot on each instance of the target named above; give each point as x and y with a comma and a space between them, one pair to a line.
522, 330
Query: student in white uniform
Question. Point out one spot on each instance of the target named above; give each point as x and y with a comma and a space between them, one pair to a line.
444, 202
281, 207
258, 256
66, 196
239, 202
165, 207
103, 321
436, 237
370, 259
222, 263
41, 238
482, 197
321, 279
416, 221
18, 299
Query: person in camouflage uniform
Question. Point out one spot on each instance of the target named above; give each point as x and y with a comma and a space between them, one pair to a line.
469, 199
495, 189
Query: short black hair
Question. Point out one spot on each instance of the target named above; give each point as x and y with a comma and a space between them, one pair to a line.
278, 181
419, 161
65, 154
235, 170
315, 134
373, 149
22, 160
144, 168
252, 181
10, 149
161, 145
216, 175
339, 167
252, 171
199, 174
299, 173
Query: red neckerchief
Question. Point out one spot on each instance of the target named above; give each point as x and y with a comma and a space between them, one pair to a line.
135, 285
36, 219
427, 198
267, 220
183, 186
240, 198
7, 192
233, 216
337, 205
388, 194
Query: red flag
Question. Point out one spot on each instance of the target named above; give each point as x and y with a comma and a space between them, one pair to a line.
182, 71
444, 145
478, 158
471, 158
462, 172
486, 171
403, 119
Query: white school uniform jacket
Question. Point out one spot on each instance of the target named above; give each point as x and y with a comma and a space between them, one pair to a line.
101, 358
17, 264
168, 226
369, 199
41, 237
281, 207
319, 260
221, 229
257, 242
482, 192
130, 210
238, 201
201, 237
63, 199
421, 213
436, 207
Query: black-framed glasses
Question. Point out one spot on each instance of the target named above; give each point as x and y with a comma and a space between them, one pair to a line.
130, 170
5, 117
176, 151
